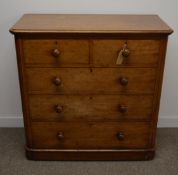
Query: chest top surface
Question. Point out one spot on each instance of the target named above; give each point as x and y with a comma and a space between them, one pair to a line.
60, 23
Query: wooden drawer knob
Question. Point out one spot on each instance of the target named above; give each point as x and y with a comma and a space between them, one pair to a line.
58, 108
57, 81
60, 135
55, 53
123, 81
122, 108
120, 136
125, 51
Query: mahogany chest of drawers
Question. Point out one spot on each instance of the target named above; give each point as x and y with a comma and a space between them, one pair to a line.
90, 84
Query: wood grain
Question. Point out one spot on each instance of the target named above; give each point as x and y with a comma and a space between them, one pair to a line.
89, 155
77, 103
142, 52
83, 80
90, 107
70, 52
55, 23
90, 135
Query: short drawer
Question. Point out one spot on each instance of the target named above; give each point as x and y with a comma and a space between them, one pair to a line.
91, 80
106, 135
138, 53
56, 52
90, 107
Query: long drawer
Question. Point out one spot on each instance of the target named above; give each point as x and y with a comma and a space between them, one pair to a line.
80, 135
90, 107
91, 80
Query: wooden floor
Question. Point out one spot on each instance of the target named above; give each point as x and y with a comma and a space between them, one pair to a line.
13, 161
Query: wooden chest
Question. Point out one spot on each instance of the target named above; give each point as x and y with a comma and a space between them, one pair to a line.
90, 84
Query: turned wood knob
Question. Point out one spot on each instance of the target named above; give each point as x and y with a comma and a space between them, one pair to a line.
57, 81
55, 53
125, 51
122, 108
123, 81
120, 136
58, 108
60, 135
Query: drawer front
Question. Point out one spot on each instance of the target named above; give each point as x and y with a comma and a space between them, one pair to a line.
93, 80
141, 52
107, 135
56, 52
90, 108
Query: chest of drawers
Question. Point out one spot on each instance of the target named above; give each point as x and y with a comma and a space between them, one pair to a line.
90, 85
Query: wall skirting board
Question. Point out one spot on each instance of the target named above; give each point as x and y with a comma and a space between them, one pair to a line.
11, 121
17, 121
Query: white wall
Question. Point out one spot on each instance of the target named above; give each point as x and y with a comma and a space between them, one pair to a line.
10, 11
